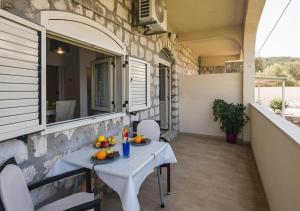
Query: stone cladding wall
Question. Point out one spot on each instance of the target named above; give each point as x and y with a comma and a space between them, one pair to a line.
37, 157
229, 67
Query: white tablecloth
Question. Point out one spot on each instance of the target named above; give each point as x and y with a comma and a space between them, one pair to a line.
125, 176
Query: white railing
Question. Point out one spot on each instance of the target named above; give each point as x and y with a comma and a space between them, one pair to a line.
276, 147
260, 80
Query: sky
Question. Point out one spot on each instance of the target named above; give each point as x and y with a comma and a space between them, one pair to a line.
285, 39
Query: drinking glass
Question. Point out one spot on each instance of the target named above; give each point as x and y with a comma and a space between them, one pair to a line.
126, 149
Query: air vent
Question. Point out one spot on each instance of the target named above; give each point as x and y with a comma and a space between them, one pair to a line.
154, 14
145, 8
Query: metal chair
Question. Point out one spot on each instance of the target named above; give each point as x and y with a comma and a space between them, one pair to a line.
151, 129
15, 195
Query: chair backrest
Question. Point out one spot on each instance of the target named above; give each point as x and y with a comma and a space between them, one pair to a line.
135, 124
65, 110
150, 129
14, 193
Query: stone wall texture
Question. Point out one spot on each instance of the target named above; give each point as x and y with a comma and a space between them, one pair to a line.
38, 156
229, 67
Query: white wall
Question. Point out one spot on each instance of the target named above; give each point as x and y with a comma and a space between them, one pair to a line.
196, 96
276, 147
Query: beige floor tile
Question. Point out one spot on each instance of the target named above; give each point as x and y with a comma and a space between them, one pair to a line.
211, 175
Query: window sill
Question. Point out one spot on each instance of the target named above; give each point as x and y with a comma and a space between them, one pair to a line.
80, 122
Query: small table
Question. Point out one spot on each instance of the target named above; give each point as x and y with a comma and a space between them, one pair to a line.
125, 176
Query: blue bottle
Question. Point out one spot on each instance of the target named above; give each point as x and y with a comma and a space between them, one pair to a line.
126, 149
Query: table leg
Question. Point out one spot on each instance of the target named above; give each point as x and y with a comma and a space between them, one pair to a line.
162, 201
169, 179
75, 187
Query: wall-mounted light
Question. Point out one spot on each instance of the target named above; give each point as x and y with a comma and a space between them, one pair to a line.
60, 50
59, 47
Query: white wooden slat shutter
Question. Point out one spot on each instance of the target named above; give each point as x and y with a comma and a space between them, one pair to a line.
22, 59
138, 85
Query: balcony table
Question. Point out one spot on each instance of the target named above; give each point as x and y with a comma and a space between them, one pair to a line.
125, 176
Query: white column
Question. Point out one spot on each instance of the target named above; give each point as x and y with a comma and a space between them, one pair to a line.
283, 99
253, 13
258, 93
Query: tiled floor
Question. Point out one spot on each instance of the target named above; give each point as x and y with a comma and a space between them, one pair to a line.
211, 175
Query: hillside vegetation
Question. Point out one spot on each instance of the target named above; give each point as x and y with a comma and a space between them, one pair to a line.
279, 67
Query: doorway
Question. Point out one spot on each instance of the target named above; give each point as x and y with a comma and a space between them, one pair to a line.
55, 79
164, 90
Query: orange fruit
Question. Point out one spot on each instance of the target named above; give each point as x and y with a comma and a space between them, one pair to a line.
101, 155
138, 139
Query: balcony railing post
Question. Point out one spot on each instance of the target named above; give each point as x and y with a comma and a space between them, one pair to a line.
283, 99
258, 94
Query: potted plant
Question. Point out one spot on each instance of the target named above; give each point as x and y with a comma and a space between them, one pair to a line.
232, 118
276, 105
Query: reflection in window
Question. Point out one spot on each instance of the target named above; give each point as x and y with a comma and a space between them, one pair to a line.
79, 82
102, 85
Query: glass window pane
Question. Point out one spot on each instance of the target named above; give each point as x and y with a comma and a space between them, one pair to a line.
102, 85
162, 85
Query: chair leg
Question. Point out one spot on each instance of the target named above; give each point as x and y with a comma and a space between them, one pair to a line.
88, 184
162, 202
169, 179
97, 207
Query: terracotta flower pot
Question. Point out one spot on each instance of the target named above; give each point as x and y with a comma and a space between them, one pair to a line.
231, 138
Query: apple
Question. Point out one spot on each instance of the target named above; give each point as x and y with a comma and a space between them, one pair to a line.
110, 156
110, 150
98, 144
112, 140
104, 144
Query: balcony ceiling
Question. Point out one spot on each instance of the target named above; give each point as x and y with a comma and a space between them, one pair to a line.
209, 28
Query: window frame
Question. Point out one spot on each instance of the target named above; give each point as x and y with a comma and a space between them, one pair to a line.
110, 45
82, 121
90, 35
111, 82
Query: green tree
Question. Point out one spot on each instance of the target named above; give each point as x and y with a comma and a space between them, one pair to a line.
294, 70
276, 70
279, 67
259, 64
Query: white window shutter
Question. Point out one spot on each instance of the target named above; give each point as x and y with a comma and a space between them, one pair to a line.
21, 76
138, 85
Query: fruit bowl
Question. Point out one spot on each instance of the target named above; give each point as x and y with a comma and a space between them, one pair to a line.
103, 142
103, 147
143, 142
108, 158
